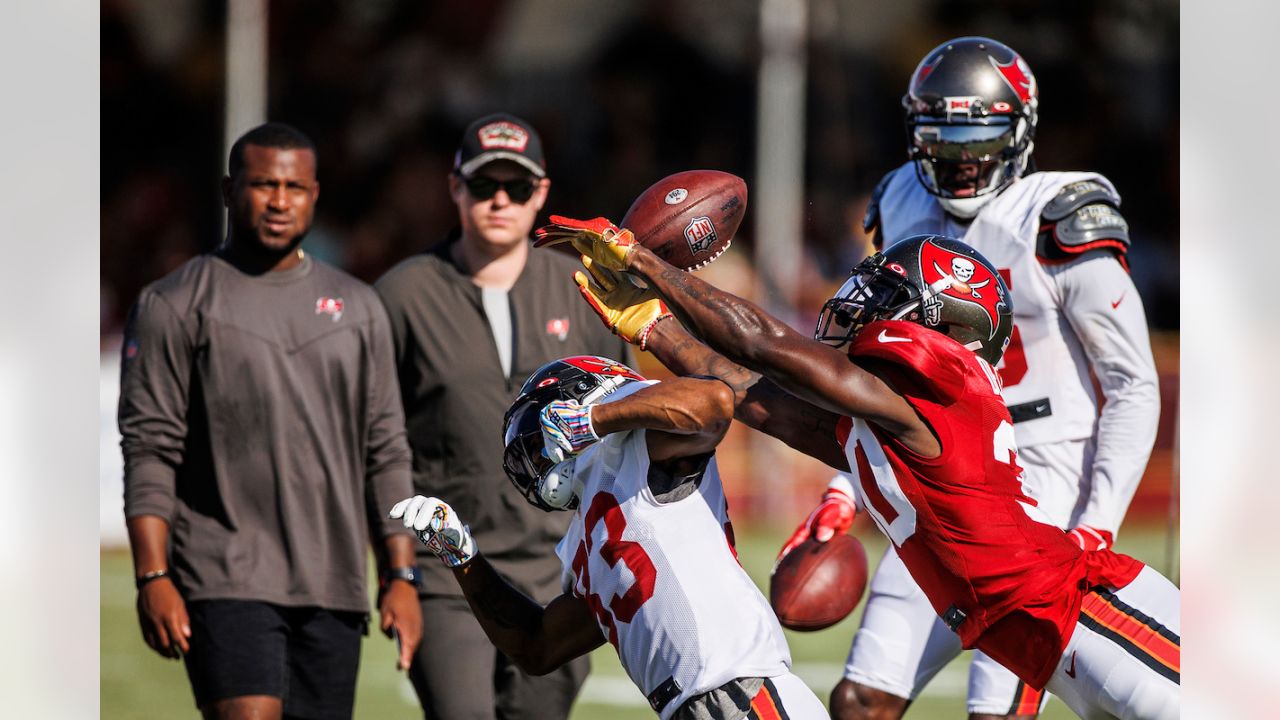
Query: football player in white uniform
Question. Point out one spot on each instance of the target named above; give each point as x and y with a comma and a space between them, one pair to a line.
1059, 241
649, 562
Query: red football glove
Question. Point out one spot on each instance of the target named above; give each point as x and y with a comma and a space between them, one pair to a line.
605, 243
1090, 538
833, 516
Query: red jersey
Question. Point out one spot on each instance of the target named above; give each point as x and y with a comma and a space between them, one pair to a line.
995, 570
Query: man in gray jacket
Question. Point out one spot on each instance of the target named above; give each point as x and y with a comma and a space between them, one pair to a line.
472, 317
262, 431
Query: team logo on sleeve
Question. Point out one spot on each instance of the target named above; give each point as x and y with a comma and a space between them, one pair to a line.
959, 277
329, 306
558, 327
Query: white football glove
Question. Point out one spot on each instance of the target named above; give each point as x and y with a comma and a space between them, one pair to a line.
566, 429
438, 527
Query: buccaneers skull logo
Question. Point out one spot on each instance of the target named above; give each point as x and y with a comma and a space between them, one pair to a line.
959, 277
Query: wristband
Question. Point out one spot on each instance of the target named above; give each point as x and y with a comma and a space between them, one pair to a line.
642, 338
148, 577
409, 574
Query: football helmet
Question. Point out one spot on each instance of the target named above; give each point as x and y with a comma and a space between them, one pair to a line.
971, 119
585, 378
935, 281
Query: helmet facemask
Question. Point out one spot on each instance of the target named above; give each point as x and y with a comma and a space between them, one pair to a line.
874, 291
546, 485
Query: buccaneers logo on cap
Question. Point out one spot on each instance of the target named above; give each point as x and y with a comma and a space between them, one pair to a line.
503, 135
960, 277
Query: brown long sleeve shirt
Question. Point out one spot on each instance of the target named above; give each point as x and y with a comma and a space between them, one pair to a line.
260, 416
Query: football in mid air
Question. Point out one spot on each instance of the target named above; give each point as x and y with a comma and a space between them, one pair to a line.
689, 218
818, 584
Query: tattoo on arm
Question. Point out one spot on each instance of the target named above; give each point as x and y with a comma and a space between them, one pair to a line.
687, 356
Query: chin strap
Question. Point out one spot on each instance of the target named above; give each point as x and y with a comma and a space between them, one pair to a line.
965, 208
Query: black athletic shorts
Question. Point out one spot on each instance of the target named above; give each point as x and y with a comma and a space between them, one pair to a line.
306, 656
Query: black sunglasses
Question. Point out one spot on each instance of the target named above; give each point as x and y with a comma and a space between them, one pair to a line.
483, 188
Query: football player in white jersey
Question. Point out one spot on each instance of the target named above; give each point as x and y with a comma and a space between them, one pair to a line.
649, 562
1059, 241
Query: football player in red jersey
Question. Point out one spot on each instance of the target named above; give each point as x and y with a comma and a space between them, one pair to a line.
898, 388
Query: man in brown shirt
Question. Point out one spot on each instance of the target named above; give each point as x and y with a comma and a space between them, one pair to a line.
472, 317
262, 431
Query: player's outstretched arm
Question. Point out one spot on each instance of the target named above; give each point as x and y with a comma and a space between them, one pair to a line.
637, 314
747, 335
539, 639
757, 401
685, 416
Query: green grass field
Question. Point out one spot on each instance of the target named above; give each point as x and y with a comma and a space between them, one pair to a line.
139, 685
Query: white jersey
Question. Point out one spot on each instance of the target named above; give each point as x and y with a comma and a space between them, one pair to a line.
662, 578
1067, 319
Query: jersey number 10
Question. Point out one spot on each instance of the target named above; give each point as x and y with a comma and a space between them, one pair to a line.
885, 501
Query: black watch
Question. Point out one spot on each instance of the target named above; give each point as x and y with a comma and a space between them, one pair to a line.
409, 574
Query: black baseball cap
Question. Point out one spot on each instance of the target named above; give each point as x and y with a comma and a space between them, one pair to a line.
500, 136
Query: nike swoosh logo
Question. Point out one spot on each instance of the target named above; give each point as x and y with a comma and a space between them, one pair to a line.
885, 338
1071, 671
1116, 303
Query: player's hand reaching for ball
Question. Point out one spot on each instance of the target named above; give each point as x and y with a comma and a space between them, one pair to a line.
602, 241
833, 516
438, 527
626, 309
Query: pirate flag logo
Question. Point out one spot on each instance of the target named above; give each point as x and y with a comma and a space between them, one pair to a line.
960, 277
602, 366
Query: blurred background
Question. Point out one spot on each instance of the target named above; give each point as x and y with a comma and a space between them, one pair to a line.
799, 97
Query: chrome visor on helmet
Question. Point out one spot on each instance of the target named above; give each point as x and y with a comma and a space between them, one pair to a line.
992, 148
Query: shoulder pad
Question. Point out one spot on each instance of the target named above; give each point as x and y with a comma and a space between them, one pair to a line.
925, 364
1090, 227
1083, 216
1076, 195
871, 220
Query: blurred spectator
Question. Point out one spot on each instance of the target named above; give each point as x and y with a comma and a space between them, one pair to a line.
627, 91
472, 317
385, 87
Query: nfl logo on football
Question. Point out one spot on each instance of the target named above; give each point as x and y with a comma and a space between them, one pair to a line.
700, 234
